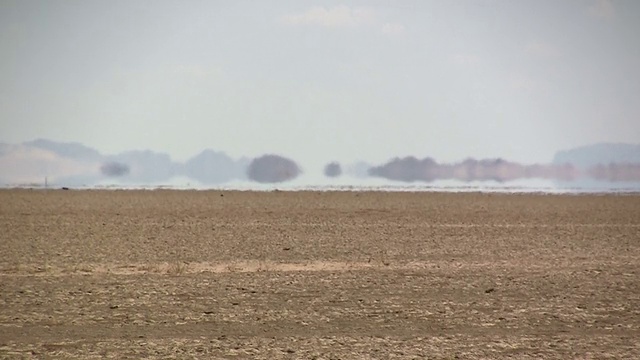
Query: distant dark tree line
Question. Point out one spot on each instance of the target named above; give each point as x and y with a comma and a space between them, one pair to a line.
213, 167
411, 169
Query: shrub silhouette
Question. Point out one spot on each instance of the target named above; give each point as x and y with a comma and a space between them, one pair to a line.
114, 169
333, 169
272, 169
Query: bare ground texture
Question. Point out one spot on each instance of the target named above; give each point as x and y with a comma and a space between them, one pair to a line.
318, 275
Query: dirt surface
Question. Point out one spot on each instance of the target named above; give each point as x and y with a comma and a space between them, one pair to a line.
312, 275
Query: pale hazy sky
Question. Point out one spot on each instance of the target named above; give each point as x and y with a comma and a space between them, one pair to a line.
322, 80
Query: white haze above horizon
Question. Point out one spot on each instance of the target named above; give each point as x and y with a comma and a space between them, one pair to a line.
319, 81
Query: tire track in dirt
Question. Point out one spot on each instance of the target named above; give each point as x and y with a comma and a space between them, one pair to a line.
252, 266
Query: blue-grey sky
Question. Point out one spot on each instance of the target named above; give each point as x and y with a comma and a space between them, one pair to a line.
322, 80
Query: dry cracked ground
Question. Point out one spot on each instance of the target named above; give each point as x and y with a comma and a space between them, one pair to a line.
318, 275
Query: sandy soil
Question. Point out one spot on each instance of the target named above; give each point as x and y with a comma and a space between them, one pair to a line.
308, 275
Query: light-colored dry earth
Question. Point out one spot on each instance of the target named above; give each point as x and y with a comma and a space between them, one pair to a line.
337, 275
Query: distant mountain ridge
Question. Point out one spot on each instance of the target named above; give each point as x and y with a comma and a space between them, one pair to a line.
587, 156
213, 167
75, 164
71, 150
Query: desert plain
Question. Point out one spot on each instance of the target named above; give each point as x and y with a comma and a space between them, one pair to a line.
127, 274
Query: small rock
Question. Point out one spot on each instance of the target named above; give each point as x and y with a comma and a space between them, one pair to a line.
489, 290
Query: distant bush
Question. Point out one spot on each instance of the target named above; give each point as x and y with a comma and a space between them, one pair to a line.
272, 169
114, 169
333, 169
